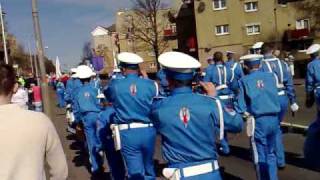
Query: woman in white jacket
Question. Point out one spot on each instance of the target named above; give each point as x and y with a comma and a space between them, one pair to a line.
20, 97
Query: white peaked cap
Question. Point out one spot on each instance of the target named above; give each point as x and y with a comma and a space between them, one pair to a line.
179, 62
84, 72
251, 57
258, 45
73, 70
129, 58
313, 49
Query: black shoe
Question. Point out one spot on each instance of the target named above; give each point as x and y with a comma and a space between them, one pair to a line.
281, 168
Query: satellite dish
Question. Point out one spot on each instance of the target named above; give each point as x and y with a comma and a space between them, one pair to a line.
201, 7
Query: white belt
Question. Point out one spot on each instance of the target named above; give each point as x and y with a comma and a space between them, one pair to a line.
200, 169
221, 87
281, 93
134, 126
225, 97
318, 87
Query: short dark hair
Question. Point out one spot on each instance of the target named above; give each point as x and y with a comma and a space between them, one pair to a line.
218, 56
182, 83
267, 47
7, 79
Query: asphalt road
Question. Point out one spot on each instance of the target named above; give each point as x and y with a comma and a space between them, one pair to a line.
236, 166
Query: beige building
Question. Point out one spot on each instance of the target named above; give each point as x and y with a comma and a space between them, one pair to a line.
102, 42
237, 24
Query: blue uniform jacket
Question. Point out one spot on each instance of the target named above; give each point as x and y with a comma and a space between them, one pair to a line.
220, 74
161, 75
258, 94
187, 123
60, 88
237, 72
132, 98
313, 77
284, 76
103, 126
86, 99
72, 85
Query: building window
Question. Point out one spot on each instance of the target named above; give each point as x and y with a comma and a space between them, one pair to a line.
302, 24
253, 29
219, 4
153, 65
251, 6
222, 29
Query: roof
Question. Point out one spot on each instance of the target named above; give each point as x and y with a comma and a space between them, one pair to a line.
100, 31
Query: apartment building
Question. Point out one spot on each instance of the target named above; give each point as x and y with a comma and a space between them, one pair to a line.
235, 25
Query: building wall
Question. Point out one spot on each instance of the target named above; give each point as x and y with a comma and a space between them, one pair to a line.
272, 17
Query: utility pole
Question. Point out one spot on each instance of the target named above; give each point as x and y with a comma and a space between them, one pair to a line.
4, 36
40, 52
30, 57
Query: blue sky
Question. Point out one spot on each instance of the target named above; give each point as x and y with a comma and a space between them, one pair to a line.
65, 24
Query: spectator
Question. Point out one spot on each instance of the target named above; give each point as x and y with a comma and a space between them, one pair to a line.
27, 138
37, 100
21, 97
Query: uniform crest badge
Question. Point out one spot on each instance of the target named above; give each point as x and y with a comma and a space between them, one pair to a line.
133, 89
260, 84
185, 116
86, 95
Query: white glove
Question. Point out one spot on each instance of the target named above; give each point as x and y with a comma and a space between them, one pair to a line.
294, 107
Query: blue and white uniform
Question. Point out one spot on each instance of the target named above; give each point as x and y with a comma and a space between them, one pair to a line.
60, 91
187, 122
105, 139
131, 99
286, 94
237, 72
312, 143
261, 115
88, 107
222, 77
164, 85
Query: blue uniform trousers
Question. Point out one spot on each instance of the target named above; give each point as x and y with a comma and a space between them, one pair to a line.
137, 150
214, 175
280, 154
60, 96
263, 145
114, 159
90, 128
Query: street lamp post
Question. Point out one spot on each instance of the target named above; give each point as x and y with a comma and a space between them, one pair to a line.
40, 53
4, 36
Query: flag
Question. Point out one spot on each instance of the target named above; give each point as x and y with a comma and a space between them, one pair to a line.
98, 63
58, 70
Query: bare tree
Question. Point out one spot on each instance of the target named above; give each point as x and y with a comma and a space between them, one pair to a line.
146, 24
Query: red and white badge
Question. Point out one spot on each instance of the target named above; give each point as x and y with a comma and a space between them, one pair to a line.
185, 116
260, 84
133, 89
86, 94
